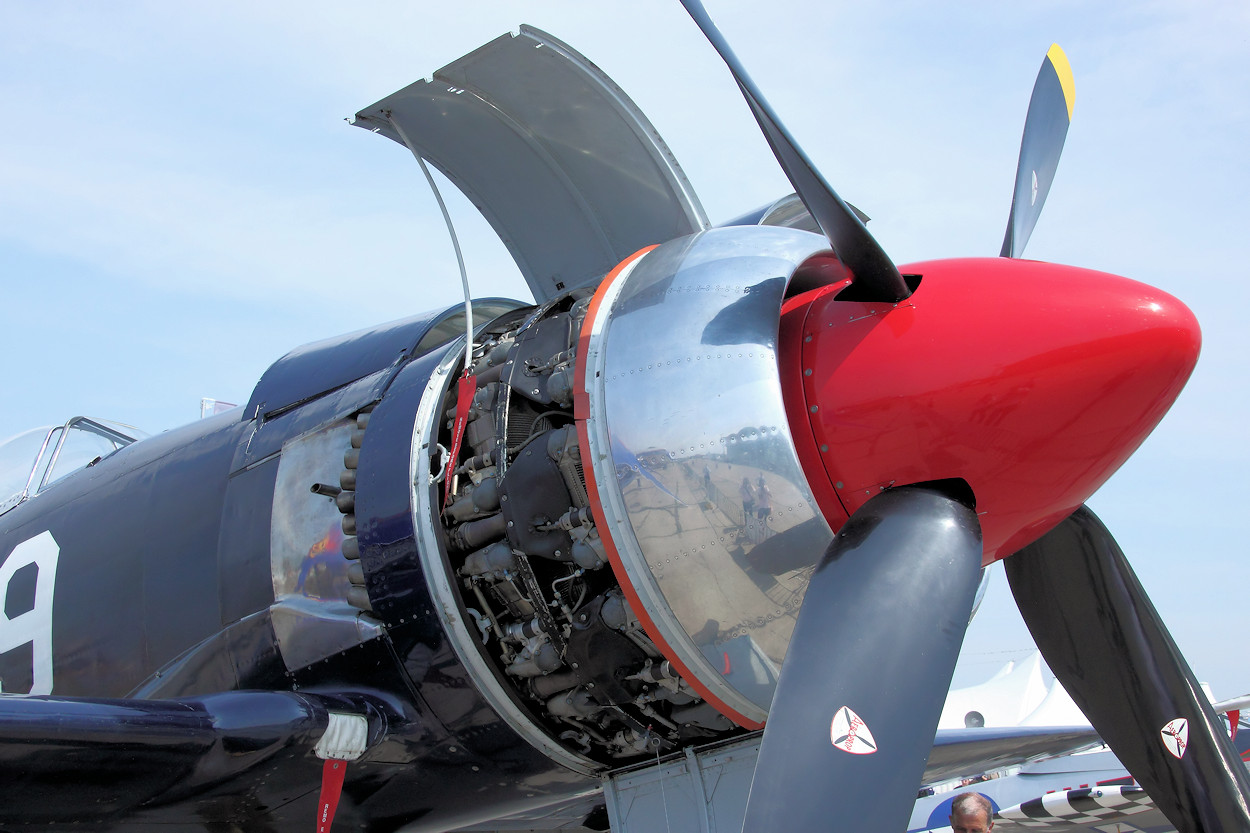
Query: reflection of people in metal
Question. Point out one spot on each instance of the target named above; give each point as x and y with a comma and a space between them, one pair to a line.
971, 813
763, 500
757, 505
748, 511
323, 572
748, 499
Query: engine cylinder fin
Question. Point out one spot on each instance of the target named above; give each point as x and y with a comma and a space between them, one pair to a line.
345, 500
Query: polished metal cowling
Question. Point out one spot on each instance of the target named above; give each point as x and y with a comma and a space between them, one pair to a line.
692, 456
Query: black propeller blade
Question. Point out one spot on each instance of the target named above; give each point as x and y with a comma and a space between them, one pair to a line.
865, 676
1045, 128
1102, 638
871, 267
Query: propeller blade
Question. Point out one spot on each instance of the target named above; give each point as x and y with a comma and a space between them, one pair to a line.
1045, 128
870, 266
865, 677
1102, 638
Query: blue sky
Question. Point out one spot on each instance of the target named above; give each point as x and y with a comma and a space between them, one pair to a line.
181, 201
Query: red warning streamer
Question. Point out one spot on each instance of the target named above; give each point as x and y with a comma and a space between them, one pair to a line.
332, 773
464, 401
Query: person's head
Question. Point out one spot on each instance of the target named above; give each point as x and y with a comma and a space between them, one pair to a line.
971, 813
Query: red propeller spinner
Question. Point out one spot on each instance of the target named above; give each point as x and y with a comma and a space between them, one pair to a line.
1030, 382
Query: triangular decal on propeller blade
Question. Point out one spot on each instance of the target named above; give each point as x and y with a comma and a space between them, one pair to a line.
850, 733
1176, 736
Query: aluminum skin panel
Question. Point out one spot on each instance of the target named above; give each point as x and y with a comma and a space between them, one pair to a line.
526, 122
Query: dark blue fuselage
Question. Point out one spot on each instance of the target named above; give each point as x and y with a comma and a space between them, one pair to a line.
183, 572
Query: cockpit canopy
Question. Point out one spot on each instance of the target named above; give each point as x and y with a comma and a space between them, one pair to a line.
34, 460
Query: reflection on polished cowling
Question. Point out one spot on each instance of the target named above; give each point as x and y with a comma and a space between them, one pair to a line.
714, 529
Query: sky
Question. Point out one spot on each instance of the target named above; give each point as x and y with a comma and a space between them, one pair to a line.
182, 202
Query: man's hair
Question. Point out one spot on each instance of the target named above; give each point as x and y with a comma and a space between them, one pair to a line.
968, 803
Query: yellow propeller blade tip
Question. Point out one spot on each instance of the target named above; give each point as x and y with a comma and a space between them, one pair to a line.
1063, 70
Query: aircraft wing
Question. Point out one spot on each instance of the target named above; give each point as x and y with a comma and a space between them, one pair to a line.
130, 758
964, 752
